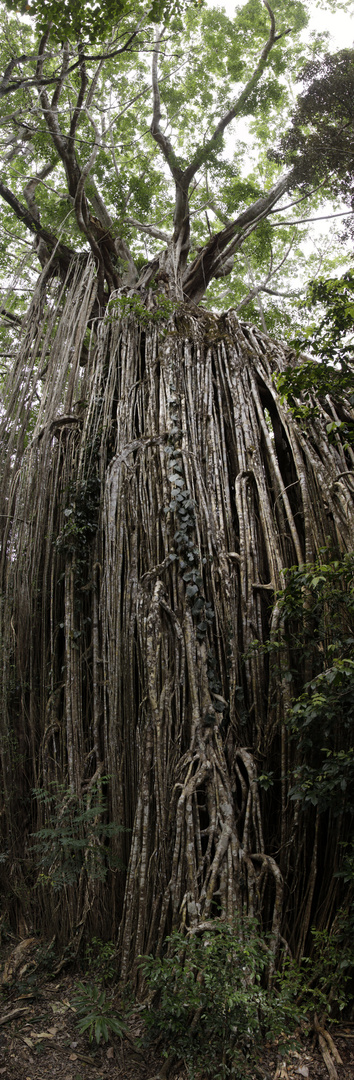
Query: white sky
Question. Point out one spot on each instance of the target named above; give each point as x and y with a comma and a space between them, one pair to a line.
340, 26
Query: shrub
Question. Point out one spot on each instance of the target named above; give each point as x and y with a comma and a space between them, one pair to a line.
96, 1014
209, 1005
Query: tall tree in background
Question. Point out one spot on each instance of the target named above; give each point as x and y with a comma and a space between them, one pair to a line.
320, 140
155, 488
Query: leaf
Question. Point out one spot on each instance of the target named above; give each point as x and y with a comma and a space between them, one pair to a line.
104, 1027
98, 1030
85, 1023
44, 1034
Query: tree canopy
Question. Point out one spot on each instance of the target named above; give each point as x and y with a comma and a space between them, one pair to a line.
103, 154
85, 21
320, 141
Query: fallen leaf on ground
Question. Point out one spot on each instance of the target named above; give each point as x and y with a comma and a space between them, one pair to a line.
41, 1035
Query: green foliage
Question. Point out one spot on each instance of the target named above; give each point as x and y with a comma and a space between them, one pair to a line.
89, 22
75, 838
318, 608
319, 143
330, 340
80, 522
322, 983
210, 1007
220, 56
329, 336
122, 306
331, 967
318, 605
101, 959
97, 1015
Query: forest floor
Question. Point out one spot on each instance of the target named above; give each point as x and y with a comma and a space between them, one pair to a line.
39, 1040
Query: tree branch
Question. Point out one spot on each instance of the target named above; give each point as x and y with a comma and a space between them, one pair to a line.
29, 190
252, 82
162, 141
150, 230
80, 99
49, 109
262, 287
284, 295
224, 243
181, 234
63, 253
62, 76
300, 221
81, 208
182, 177
96, 231
10, 316
203, 152
8, 88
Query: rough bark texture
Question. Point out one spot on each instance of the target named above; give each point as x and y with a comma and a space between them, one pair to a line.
151, 499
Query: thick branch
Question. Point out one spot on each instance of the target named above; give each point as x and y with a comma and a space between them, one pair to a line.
80, 99
62, 76
30, 189
237, 109
7, 87
181, 235
96, 231
49, 108
10, 316
65, 145
80, 199
182, 177
250, 85
223, 244
162, 141
149, 229
63, 253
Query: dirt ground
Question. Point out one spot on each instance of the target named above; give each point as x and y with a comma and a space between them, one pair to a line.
39, 1040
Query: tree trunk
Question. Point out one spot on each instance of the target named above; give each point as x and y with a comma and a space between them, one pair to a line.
151, 501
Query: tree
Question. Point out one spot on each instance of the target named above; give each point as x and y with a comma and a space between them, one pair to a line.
320, 140
154, 490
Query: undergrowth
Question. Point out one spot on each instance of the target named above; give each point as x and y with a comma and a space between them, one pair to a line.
212, 1005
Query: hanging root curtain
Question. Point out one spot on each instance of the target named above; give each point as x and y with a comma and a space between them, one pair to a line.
154, 488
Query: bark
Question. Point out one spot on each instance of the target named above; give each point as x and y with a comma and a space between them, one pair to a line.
147, 516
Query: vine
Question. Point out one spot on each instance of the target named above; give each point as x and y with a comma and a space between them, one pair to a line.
188, 557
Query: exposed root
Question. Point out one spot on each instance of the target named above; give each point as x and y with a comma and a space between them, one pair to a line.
328, 1049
